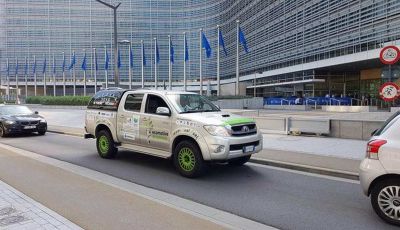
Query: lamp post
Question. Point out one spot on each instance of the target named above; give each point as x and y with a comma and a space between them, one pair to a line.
130, 60
116, 70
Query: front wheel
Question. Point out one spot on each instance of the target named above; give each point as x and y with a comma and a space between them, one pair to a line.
239, 161
188, 159
385, 199
105, 145
2, 131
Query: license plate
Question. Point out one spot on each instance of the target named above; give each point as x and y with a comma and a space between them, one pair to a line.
248, 149
30, 127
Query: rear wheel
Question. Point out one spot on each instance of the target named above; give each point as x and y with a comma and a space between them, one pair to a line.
239, 161
188, 159
385, 199
105, 145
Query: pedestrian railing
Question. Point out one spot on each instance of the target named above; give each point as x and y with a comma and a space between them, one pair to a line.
312, 101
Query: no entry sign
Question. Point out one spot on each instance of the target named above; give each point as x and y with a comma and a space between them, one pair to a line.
390, 55
389, 91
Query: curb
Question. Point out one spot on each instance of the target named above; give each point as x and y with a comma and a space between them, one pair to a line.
307, 168
279, 164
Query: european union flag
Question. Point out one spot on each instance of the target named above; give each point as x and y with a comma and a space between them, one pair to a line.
172, 52
157, 54
144, 55
222, 42
96, 63
206, 45
84, 63
44, 65
119, 59
242, 40
34, 66
16, 67
8, 68
73, 61
107, 60
131, 56
64, 64
186, 50
26, 66
54, 65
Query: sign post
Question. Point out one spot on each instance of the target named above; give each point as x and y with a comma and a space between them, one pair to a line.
389, 91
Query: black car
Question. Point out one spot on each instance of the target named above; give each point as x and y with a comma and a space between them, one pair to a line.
16, 119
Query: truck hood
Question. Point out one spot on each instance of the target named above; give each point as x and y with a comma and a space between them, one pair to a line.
216, 118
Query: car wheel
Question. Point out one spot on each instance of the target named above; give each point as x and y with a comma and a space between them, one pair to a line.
2, 131
385, 199
188, 159
105, 145
239, 161
42, 133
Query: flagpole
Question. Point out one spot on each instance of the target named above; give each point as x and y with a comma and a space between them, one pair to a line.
54, 77
73, 74
106, 69
64, 83
35, 75
184, 62
142, 64
130, 65
44, 77
8, 79
26, 77
16, 76
218, 62
155, 64
95, 70
201, 63
84, 74
237, 58
170, 64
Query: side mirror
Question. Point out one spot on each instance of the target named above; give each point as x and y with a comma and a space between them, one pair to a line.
164, 111
36, 112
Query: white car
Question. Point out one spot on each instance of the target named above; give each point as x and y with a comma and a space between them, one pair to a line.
380, 170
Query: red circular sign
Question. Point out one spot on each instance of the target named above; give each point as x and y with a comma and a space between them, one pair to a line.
390, 55
389, 91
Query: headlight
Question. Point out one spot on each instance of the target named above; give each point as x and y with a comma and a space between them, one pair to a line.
217, 130
9, 122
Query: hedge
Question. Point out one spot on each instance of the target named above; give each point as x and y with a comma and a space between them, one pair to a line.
67, 100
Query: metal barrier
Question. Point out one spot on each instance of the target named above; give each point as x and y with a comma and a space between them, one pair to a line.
357, 100
286, 101
314, 101
333, 99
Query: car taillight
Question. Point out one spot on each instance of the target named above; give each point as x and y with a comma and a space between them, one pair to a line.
373, 148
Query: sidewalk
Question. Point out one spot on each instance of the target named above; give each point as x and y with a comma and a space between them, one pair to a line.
93, 200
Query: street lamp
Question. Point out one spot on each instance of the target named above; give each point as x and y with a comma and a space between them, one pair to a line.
130, 60
116, 70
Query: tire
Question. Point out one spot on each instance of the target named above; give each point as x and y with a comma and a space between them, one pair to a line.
381, 198
2, 131
188, 159
239, 161
42, 133
105, 145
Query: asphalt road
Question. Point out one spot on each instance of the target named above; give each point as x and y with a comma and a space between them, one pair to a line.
282, 199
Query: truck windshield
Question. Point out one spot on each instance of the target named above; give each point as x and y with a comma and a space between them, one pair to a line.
192, 103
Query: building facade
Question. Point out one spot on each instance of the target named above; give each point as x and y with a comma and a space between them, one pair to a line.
294, 45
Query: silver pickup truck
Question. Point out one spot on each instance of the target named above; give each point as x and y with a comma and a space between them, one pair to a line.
183, 126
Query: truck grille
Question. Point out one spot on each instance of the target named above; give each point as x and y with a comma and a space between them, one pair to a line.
241, 146
244, 130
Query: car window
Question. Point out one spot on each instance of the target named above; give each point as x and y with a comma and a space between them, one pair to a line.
106, 99
153, 102
133, 102
389, 122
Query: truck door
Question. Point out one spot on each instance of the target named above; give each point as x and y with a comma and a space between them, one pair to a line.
155, 129
129, 119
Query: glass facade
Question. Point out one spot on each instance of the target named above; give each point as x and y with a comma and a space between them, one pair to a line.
279, 33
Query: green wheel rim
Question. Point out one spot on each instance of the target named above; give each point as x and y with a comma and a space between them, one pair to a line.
186, 159
103, 145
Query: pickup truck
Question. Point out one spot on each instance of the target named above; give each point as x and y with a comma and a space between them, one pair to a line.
182, 126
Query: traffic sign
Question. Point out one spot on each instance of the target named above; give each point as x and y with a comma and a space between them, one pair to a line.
390, 55
389, 91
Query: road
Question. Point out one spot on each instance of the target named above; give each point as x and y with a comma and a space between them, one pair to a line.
283, 199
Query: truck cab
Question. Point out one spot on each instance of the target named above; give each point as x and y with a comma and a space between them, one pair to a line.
184, 126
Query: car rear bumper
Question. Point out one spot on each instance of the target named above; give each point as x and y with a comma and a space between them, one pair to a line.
370, 170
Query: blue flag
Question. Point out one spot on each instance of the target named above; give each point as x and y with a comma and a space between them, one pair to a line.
131, 56
222, 43
84, 63
44, 65
157, 54
144, 55
206, 45
8, 68
171, 58
119, 59
34, 66
107, 61
96, 63
16, 67
54, 65
186, 50
73, 61
26, 66
242, 40
64, 64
